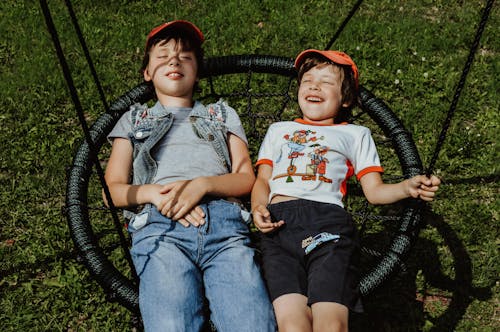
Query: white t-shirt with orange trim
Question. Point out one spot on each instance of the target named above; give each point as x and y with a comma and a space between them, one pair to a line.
314, 162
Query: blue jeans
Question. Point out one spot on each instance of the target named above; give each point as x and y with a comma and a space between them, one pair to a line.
179, 267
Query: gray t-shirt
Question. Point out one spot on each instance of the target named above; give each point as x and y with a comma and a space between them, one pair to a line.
181, 154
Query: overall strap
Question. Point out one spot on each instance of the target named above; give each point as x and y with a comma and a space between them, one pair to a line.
209, 123
148, 128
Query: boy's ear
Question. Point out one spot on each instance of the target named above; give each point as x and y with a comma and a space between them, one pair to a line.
346, 105
146, 75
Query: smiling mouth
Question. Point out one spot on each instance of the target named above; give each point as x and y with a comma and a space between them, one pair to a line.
174, 75
313, 99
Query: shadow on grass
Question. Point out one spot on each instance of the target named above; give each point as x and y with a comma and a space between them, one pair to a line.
491, 178
401, 305
27, 271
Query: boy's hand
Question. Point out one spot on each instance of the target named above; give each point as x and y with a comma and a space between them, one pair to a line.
422, 187
262, 219
178, 202
195, 217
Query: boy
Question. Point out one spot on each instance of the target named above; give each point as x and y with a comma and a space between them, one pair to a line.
186, 159
309, 245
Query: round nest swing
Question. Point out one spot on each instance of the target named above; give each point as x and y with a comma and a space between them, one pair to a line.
105, 251
89, 221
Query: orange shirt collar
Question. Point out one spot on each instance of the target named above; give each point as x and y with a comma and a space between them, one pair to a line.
302, 121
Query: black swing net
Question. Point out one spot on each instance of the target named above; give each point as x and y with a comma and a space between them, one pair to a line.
387, 233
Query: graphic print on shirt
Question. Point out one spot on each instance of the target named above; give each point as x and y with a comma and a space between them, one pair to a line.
297, 144
318, 164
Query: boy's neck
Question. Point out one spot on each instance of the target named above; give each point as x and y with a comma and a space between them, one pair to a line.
323, 122
170, 101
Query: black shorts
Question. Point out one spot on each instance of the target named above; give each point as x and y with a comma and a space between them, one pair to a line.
329, 272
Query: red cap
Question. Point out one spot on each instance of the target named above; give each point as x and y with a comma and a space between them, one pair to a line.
335, 56
179, 24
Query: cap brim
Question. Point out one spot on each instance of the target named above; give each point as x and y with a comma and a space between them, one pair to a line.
179, 24
334, 57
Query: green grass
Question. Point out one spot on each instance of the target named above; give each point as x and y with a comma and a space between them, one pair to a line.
410, 54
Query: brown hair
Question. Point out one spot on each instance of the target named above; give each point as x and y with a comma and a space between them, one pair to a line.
183, 38
349, 90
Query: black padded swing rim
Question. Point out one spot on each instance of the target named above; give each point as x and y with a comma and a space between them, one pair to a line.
122, 289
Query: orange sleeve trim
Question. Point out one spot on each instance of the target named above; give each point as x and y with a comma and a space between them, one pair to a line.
264, 161
369, 170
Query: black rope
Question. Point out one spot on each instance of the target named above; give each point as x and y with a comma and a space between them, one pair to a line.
421, 206
87, 54
344, 24
460, 86
79, 110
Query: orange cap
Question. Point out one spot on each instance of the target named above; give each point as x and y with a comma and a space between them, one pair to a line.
335, 56
179, 24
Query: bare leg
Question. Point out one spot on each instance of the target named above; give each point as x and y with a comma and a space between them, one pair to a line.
293, 313
330, 316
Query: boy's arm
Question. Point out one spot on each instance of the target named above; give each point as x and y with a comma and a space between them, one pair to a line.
117, 178
260, 190
378, 192
125, 195
181, 197
260, 198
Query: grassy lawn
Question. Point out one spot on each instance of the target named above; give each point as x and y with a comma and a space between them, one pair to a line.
410, 53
